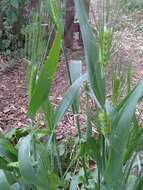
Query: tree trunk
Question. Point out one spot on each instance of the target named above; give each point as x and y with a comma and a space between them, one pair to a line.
69, 21
70, 26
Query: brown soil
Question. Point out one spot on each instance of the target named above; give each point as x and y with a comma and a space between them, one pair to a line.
13, 98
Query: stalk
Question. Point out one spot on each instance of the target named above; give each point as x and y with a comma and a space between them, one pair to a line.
129, 78
34, 147
99, 180
103, 151
53, 149
34, 142
58, 159
85, 172
74, 109
66, 62
75, 112
89, 125
128, 170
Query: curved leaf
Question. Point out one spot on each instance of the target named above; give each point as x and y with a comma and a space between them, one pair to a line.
16, 186
119, 137
74, 183
35, 172
25, 165
7, 151
75, 73
68, 99
4, 185
91, 53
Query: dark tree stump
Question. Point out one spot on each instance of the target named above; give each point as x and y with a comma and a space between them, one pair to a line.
69, 20
70, 25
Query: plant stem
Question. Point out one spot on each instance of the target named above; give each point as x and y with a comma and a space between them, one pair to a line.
75, 112
128, 170
54, 147
34, 142
34, 147
66, 62
58, 158
89, 125
74, 109
84, 168
78, 125
103, 152
99, 181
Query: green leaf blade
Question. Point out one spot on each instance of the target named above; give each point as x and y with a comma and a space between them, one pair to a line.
3, 181
26, 169
119, 137
68, 99
47, 74
91, 53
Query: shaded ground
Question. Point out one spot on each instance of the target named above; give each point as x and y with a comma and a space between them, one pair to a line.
13, 97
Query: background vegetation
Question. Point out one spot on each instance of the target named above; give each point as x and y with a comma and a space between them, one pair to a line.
109, 160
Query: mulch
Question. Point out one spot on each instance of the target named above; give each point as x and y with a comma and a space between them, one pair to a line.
13, 98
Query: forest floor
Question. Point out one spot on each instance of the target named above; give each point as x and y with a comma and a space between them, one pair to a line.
13, 90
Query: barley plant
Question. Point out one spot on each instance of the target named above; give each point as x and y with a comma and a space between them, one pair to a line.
111, 159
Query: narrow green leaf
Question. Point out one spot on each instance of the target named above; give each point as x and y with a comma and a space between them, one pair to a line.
93, 148
119, 137
7, 151
135, 139
3, 164
47, 179
75, 73
129, 77
46, 77
91, 53
48, 113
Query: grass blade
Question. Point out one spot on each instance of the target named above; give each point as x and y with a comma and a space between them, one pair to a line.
91, 53
75, 73
47, 74
3, 181
68, 99
7, 150
48, 113
119, 137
